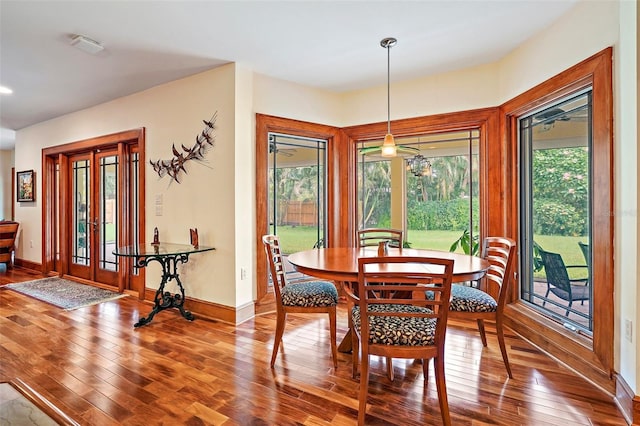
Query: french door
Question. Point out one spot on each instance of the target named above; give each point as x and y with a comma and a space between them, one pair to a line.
93, 193
93, 203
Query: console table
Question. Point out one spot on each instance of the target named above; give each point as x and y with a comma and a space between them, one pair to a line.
168, 256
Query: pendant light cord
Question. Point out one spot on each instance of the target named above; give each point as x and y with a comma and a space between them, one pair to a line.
388, 89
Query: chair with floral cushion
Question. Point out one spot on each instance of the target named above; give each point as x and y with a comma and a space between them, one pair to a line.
371, 237
408, 325
474, 303
302, 296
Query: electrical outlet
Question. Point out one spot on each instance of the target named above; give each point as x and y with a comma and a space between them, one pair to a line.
243, 274
628, 330
30, 243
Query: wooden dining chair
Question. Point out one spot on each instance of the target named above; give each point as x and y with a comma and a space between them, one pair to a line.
8, 234
369, 237
474, 303
300, 296
403, 326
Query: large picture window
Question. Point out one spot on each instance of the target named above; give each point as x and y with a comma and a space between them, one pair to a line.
561, 137
437, 187
555, 189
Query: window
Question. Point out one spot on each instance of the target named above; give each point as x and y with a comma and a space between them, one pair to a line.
437, 179
296, 199
584, 90
555, 190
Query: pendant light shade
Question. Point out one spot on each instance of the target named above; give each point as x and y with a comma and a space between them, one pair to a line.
389, 148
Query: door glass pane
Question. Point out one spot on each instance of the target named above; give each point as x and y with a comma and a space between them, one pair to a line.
81, 208
108, 222
555, 211
135, 200
297, 191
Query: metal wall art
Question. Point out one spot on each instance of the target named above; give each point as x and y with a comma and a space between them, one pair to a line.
174, 166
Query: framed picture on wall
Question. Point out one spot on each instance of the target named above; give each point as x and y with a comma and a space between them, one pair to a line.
26, 186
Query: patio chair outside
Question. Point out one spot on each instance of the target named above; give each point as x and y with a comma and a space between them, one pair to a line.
559, 283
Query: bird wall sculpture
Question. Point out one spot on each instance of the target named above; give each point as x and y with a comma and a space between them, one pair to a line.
174, 166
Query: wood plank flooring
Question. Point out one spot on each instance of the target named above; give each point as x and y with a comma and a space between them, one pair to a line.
93, 365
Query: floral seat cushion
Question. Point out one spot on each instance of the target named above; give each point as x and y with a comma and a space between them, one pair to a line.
310, 294
402, 331
469, 299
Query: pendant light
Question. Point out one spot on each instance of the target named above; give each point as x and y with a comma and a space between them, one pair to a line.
389, 146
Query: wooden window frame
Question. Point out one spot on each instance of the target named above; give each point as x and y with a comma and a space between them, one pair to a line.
266, 124
593, 358
493, 221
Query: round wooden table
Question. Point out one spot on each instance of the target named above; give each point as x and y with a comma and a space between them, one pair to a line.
341, 264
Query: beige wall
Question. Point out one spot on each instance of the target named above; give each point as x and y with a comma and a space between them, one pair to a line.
6, 162
171, 113
626, 178
220, 200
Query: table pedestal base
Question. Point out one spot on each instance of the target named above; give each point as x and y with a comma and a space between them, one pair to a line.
164, 299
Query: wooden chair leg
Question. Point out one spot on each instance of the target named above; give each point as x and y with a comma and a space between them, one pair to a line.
282, 316
441, 386
503, 347
355, 353
390, 368
425, 370
332, 333
364, 389
483, 336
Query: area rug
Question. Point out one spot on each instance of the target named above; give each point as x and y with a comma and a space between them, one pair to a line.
64, 293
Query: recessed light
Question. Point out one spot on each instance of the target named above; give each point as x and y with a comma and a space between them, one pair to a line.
4, 90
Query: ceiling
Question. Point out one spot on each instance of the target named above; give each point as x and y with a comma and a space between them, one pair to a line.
331, 45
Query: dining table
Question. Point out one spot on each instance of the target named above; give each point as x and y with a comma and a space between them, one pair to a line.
340, 264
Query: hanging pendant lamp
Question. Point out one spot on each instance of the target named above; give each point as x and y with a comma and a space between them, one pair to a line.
388, 148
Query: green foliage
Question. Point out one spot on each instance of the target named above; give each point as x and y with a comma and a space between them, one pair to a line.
469, 245
537, 259
561, 191
555, 218
450, 215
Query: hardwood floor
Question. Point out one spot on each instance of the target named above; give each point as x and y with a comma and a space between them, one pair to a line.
93, 365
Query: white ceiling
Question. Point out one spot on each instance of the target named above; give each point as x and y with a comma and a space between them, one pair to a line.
332, 45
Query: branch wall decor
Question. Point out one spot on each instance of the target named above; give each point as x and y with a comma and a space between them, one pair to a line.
174, 166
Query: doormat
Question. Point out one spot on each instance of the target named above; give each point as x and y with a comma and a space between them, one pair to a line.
63, 293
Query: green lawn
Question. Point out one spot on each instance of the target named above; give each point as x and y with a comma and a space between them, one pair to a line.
297, 238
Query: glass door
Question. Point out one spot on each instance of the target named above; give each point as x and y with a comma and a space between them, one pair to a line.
296, 195
94, 216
